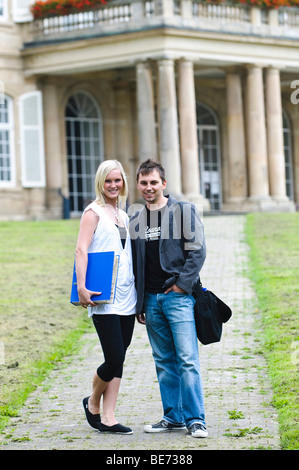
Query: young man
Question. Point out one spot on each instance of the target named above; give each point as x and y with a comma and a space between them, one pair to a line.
168, 253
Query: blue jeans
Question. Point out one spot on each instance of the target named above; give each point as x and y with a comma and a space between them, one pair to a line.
172, 335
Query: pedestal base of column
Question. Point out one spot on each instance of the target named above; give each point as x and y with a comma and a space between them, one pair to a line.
36, 205
259, 204
199, 201
234, 205
54, 204
284, 204
176, 195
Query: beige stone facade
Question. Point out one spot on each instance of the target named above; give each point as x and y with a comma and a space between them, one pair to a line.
212, 92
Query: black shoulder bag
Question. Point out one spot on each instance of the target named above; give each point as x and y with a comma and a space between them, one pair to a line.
210, 313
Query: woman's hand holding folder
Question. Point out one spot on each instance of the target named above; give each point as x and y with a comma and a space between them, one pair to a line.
85, 297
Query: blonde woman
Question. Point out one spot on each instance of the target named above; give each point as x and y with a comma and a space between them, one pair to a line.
104, 227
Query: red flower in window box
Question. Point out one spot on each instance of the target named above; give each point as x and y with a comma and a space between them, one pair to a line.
45, 9
258, 3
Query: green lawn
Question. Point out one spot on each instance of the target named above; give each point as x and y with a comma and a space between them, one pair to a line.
38, 325
274, 258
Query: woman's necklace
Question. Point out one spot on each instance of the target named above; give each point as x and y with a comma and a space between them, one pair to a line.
116, 215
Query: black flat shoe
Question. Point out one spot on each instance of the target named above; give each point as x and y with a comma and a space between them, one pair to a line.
93, 420
116, 429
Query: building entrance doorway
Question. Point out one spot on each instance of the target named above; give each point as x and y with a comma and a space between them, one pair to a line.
209, 155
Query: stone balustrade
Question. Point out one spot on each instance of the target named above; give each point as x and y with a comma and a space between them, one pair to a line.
132, 15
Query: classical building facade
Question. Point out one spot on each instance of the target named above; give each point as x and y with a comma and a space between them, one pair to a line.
211, 91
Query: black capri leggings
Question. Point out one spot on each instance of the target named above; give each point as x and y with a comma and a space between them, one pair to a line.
115, 334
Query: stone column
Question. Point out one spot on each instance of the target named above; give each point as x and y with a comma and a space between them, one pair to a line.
146, 112
236, 138
275, 134
256, 136
52, 150
168, 126
124, 133
188, 130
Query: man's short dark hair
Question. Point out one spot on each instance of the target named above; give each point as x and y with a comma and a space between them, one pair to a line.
148, 166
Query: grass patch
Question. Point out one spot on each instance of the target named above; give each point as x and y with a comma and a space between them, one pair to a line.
244, 432
274, 262
234, 414
38, 325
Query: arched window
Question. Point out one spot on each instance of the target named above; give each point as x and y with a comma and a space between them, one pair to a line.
287, 139
84, 148
209, 155
7, 164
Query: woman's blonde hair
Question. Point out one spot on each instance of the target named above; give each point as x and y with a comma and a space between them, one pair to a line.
103, 170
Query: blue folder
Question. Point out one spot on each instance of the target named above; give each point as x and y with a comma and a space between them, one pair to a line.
101, 275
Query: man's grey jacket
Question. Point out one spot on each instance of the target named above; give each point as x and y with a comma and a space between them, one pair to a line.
182, 246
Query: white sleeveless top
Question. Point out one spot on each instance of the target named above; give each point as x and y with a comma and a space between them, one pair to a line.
107, 238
